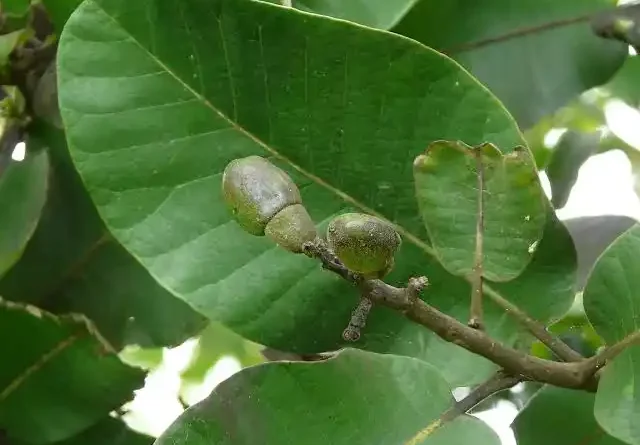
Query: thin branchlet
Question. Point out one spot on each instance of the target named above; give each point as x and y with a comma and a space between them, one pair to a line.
576, 375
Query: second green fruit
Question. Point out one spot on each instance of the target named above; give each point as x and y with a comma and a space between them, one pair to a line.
364, 243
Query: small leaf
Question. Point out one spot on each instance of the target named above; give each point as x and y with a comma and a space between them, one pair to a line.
23, 190
449, 179
612, 303
355, 398
8, 42
560, 416
45, 386
573, 150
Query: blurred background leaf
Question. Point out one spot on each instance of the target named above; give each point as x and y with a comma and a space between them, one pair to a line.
23, 190
81, 268
45, 385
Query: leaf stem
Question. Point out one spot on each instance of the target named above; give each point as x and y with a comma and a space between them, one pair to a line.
496, 383
476, 316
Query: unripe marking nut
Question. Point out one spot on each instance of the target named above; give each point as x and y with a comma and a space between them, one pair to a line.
264, 200
364, 243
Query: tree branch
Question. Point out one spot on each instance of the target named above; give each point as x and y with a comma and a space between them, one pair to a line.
600, 360
496, 383
576, 375
557, 346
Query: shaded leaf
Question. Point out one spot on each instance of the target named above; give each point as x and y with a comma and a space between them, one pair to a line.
215, 342
8, 42
624, 84
381, 14
15, 7
534, 68
109, 431
46, 386
23, 190
591, 236
622, 24
560, 416
453, 179
354, 398
59, 11
573, 150
340, 105
612, 302
80, 268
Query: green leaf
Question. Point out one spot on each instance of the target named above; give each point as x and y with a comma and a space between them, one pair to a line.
109, 431
15, 7
215, 342
23, 190
457, 186
59, 11
624, 84
381, 14
45, 386
8, 42
612, 302
573, 150
81, 268
343, 109
355, 398
560, 416
592, 235
534, 56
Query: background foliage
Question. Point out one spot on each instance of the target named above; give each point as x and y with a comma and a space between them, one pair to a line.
117, 247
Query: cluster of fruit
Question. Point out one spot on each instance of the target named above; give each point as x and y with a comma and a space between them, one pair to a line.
264, 200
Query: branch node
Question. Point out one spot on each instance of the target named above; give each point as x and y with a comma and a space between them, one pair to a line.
415, 286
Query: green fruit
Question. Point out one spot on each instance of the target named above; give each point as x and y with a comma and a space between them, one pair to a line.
264, 200
365, 244
291, 228
255, 190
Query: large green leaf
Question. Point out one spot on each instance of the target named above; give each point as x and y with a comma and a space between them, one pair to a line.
459, 187
532, 67
23, 191
355, 398
81, 268
560, 416
612, 303
58, 376
155, 114
381, 14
